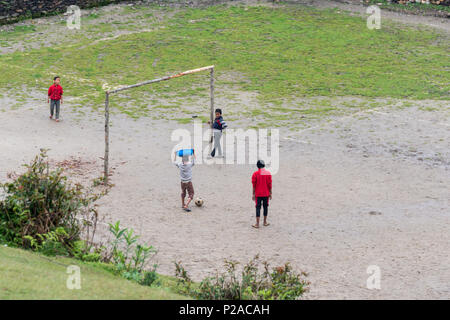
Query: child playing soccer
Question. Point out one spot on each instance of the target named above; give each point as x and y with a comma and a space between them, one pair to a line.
262, 191
55, 97
186, 179
218, 125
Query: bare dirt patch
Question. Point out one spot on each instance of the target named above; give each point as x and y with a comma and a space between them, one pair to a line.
320, 216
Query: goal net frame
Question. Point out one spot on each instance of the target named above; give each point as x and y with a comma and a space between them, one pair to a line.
110, 92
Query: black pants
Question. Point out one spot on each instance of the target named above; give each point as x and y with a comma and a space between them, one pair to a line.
265, 203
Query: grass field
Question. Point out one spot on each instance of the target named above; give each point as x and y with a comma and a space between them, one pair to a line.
280, 54
27, 275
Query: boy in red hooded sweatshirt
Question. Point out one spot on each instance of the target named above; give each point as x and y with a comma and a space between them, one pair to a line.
55, 97
262, 191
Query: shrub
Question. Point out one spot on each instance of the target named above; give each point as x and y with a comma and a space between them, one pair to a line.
40, 210
81, 250
280, 283
184, 281
150, 277
49, 243
130, 257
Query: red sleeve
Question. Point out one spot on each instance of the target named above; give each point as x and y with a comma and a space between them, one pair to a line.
269, 182
50, 91
62, 91
254, 180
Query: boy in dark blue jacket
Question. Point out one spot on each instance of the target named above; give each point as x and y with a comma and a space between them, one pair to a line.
218, 125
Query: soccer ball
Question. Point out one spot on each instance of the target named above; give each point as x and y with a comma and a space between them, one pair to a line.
199, 202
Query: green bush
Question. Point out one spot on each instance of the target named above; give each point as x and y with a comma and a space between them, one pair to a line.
49, 243
280, 283
150, 278
41, 210
130, 257
81, 250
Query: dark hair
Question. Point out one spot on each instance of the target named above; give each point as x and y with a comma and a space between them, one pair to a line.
57, 77
219, 111
260, 164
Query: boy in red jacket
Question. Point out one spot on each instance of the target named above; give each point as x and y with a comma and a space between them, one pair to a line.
55, 94
262, 191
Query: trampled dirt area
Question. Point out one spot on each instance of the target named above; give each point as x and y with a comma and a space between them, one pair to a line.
370, 187
367, 189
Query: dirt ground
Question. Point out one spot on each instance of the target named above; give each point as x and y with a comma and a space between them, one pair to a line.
368, 188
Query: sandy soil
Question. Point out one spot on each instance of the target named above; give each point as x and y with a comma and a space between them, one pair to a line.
369, 188
343, 200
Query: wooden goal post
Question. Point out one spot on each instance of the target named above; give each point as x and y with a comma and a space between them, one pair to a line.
109, 92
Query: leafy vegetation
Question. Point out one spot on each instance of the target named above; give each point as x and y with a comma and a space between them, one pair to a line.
130, 257
280, 283
43, 212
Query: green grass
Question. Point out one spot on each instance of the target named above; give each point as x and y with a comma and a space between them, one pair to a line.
283, 53
184, 120
28, 275
17, 33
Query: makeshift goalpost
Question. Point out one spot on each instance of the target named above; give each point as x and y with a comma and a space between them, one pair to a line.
109, 92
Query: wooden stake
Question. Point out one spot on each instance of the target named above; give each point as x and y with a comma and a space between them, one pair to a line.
106, 159
211, 85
